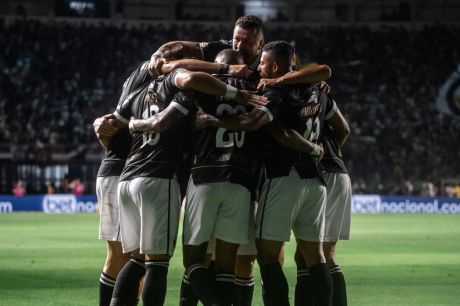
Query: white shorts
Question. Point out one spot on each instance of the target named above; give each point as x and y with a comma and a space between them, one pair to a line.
247, 248
149, 214
216, 209
109, 210
291, 202
338, 207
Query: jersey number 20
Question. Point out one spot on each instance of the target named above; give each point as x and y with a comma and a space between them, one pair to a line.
224, 138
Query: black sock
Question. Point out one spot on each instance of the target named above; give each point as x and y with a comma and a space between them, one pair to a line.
339, 296
304, 295
106, 284
225, 288
322, 284
244, 289
154, 291
212, 271
187, 297
127, 284
264, 294
199, 281
275, 284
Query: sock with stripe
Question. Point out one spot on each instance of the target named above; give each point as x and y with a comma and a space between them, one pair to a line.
304, 294
339, 296
244, 289
127, 284
322, 284
225, 287
187, 297
155, 282
275, 285
106, 285
199, 281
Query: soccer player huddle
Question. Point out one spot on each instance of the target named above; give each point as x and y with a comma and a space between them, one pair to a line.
251, 147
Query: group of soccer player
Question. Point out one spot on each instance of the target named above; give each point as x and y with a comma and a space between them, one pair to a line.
251, 147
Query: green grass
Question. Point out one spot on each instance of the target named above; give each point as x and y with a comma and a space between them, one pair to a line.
391, 260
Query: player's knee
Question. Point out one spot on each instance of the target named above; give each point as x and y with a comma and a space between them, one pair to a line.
244, 265
329, 253
194, 254
312, 252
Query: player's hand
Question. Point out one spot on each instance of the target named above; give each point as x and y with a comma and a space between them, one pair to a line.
156, 62
201, 119
324, 86
103, 125
247, 97
241, 71
132, 128
265, 83
318, 152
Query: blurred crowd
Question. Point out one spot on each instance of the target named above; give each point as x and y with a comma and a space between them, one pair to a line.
56, 77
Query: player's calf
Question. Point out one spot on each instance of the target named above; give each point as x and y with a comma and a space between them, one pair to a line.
339, 297
155, 282
126, 288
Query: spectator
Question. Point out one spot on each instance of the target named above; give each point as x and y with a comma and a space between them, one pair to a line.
19, 189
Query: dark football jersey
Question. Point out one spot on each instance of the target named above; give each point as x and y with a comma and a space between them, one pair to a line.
302, 108
332, 161
115, 155
223, 155
156, 154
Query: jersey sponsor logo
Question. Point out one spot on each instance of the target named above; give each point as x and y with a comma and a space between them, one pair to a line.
6, 207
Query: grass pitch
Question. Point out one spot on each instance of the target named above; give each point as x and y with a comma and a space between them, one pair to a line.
391, 260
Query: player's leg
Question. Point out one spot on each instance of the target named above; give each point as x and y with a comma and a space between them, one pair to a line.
127, 284
159, 201
339, 297
246, 255
273, 227
199, 218
225, 271
244, 279
304, 292
338, 213
114, 262
233, 215
309, 231
274, 281
106, 189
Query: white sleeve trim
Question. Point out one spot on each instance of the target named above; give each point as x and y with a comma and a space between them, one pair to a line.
121, 118
267, 111
180, 108
176, 73
331, 112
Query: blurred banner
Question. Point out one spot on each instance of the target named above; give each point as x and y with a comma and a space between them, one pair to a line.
55, 203
448, 100
404, 204
67, 203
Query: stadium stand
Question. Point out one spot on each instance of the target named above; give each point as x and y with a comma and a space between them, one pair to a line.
56, 77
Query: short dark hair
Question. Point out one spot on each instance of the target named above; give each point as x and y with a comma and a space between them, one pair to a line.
250, 22
281, 50
230, 57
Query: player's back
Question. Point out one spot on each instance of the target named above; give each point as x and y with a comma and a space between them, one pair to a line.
119, 148
302, 108
219, 154
156, 154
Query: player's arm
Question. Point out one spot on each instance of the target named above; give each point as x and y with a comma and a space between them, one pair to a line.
310, 74
291, 139
173, 50
203, 66
159, 122
251, 121
206, 83
340, 126
106, 127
